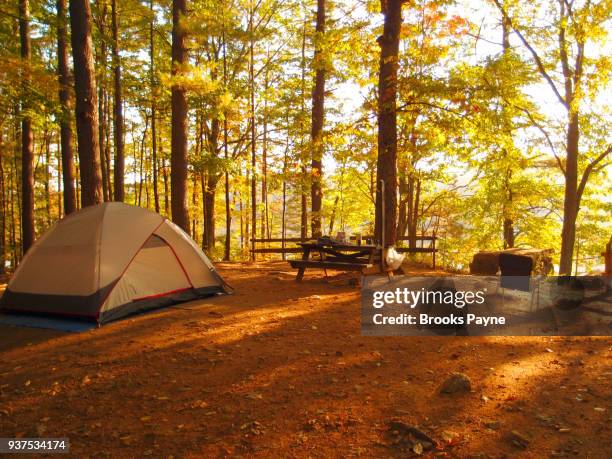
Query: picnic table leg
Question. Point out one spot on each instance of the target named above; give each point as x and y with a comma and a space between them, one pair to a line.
300, 273
322, 255
372, 257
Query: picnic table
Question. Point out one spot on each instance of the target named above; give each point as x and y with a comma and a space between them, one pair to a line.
334, 255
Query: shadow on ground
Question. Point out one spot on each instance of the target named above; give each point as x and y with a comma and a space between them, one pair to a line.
280, 370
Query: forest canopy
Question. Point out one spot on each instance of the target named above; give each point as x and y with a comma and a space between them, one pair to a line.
260, 118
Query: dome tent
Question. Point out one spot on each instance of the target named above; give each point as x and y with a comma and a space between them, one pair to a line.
107, 261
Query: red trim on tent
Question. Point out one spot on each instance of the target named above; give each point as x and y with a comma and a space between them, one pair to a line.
126, 268
159, 295
177, 259
135, 255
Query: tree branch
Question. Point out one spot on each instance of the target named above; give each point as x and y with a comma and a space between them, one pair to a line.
441, 195
439, 107
567, 77
542, 130
535, 55
591, 168
578, 67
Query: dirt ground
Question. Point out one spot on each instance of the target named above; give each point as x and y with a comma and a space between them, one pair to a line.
279, 369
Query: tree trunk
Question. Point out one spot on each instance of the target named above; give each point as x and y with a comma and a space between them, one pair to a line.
86, 103
505, 33
154, 157
284, 203
402, 217
27, 147
247, 217
332, 219
228, 214
304, 172
102, 126
102, 99
507, 212
508, 234
14, 194
153, 105
178, 172
47, 141
211, 146
577, 258
284, 217
318, 114
166, 187
3, 208
141, 162
228, 220
78, 182
508, 224
570, 203
208, 202
253, 157
265, 221
386, 169
119, 172
243, 230
413, 218
304, 208
106, 154
148, 184
194, 205
59, 177
64, 99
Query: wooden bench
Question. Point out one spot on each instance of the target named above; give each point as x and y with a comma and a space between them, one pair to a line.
283, 249
423, 238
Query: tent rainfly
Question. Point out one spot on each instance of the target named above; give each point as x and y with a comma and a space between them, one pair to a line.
107, 261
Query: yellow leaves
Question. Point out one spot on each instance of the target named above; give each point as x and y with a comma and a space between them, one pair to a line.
191, 78
226, 99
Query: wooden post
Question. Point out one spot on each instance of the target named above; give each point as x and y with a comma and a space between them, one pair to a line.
608, 258
433, 246
305, 256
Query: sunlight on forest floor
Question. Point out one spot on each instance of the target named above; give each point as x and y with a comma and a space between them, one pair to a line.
279, 369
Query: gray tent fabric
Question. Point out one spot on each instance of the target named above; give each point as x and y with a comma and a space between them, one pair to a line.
107, 261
